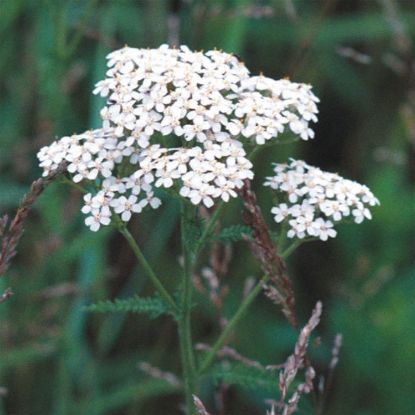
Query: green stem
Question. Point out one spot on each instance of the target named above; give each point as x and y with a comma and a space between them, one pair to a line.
209, 228
210, 357
147, 268
291, 248
282, 236
188, 370
254, 152
184, 321
243, 308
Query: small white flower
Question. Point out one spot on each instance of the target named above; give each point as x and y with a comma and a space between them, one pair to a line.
325, 229
280, 212
313, 199
126, 206
88, 206
98, 218
360, 213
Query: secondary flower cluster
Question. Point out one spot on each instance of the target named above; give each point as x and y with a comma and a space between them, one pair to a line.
313, 200
176, 119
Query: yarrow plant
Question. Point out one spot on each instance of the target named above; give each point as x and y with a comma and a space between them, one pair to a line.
177, 119
189, 124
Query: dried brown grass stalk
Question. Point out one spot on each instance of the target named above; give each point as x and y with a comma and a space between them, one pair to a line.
220, 258
6, 295
217, 292
201, 410
335, 351
157, 373
12, 233
293, 364
228, 352
272, 264
325, 385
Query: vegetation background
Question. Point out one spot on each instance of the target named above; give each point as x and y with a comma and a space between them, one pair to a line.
55, 358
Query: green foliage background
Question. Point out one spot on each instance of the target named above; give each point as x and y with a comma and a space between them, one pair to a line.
57, 358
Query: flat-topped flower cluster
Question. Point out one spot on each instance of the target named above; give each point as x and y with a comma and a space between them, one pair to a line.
177, 119
312, 200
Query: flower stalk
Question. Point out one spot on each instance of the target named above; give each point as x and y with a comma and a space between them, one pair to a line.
237, 317
184, 320
209, 228
147, 268
220, 342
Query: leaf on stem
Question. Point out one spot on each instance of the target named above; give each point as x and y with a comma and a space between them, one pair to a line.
233, 233
249, 377
153, 306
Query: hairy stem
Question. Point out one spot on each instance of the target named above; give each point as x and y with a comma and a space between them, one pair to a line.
147, 268
291, 248
186, 353
209, 227
184, 321
297, 242
282, 238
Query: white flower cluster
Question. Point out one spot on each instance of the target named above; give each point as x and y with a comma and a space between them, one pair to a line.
176, 119
314, 200
199, 95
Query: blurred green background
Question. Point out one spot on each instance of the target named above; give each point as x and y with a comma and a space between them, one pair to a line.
360, 58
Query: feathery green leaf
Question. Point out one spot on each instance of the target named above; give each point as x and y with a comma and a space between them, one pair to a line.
233, 233
246, 376
153, 306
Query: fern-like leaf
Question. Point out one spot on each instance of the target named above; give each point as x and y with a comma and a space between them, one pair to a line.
245, 376
153, 306
233, 233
